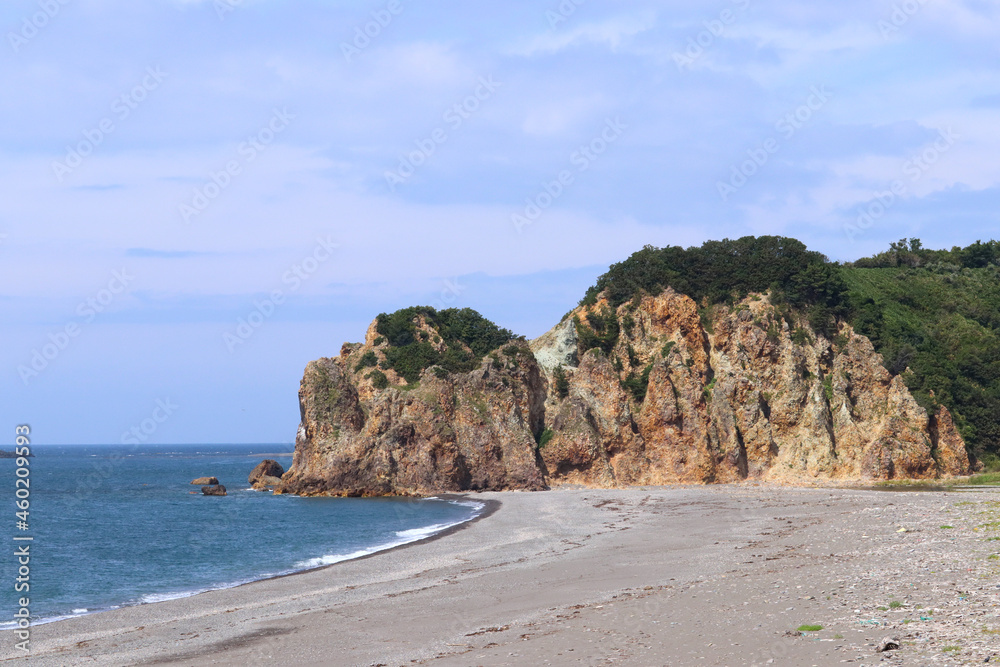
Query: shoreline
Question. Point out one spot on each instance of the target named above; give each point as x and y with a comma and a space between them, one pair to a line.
489, 506
714, 575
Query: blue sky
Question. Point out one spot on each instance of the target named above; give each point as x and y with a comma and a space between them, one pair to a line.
198, 197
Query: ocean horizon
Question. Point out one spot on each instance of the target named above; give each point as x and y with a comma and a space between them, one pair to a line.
121, 525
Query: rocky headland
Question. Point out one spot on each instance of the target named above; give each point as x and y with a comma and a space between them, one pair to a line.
652, 391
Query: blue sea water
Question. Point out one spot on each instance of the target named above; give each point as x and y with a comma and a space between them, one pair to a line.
119, 525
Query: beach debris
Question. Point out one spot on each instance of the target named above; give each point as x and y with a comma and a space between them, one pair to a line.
203, 481
214, 490
267, 473
497, 628
888, 644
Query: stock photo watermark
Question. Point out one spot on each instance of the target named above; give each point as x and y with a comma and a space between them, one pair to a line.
364, 34
265, 308
137, 435
86, 312
122, 107
714, 29
455, 116
22, 550
225, 7
914, 169
32, 25
141, 432
900, 15
247, 152
582, 158
448, 295
563, 12
788, 126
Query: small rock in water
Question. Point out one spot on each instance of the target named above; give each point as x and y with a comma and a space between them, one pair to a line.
202, 481
214, 490
267, 473
888, 644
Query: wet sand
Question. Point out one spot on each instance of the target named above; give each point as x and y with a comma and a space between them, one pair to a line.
718, 575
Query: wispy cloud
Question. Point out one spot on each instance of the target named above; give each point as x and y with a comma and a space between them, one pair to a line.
611, 34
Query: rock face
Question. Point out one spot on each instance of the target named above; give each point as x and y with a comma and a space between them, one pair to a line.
672, 398
203, 481
459, 431
267, 474
213, 490
747, 397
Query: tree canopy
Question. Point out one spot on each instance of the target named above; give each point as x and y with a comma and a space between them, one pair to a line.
467, 337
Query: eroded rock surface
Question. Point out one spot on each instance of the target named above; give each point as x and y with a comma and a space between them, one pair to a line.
460, 431
678, 396
746, 397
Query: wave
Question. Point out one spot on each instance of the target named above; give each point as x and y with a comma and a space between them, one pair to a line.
405, 537
420, 533
474, 504
163, 597
8, 625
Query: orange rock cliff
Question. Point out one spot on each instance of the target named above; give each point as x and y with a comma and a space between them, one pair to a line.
737, 396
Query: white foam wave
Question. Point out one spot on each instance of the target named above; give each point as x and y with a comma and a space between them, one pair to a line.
336, 558
405, 537
163, 597
419, 533
42, 621
469, 503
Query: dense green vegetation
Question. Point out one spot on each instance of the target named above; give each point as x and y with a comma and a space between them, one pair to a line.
467, 337
638, 384
602, 331
378, 378
932, 314
937, 313
912, 253
562, 382
368, 360
728, 270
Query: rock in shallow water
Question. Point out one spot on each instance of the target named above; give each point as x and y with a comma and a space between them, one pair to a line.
267, 473
202, 481
214, 490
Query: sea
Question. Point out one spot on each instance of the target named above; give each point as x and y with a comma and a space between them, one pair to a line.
120, 525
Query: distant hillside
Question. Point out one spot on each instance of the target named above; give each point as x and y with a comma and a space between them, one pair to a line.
937, 312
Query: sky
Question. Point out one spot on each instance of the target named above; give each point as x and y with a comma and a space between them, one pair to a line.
197, 197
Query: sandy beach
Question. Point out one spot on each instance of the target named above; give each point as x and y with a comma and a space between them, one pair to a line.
718, 575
